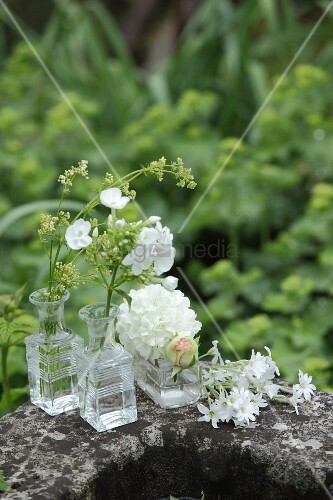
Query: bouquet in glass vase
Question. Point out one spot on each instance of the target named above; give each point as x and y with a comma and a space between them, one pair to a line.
120, 252
51, 351
159, 328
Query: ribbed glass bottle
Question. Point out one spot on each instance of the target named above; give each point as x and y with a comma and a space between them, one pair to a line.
51, 358
106, 378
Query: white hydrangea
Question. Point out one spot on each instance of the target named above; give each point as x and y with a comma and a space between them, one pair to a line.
155, 317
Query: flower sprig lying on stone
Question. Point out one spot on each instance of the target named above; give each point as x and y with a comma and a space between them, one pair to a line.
159, 324
236, 391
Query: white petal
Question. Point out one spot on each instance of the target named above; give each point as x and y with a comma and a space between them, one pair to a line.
128, 260
203, 409
164, 263
170, 283
122, 202
109, 197
85, 241
73, 243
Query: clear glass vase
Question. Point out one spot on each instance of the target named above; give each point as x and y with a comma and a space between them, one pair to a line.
51, 358
106, 378
157, 382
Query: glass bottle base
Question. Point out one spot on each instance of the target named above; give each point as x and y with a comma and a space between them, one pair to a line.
106, 388
111, 420
52, 371
57, 406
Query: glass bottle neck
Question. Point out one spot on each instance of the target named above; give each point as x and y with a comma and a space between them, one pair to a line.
51, 314
101, 328
102, 335
51, 319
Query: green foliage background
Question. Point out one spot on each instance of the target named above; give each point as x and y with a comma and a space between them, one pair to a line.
270, 209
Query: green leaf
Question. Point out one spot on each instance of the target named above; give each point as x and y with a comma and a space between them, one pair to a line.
6, 329
124, 295
3, 485
175, 371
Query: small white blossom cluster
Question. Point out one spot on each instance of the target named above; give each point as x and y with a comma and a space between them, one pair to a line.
155, 317
66, 179
237, 390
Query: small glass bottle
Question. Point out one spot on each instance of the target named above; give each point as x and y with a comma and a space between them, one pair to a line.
51, 357
166, 391
106, 379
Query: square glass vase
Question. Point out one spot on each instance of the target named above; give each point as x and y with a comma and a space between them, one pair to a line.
51, 357
157, 382
52, 371
105, 373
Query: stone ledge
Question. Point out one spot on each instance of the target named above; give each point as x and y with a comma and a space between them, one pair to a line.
168, 452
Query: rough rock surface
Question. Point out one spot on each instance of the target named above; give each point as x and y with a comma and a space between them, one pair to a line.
168, 452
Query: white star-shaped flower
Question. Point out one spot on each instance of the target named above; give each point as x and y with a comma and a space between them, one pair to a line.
113, 198
305, 388
209, 414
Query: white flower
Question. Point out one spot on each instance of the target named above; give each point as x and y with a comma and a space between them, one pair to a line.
296, 399
170, 283
148, 236
77, 235
246, 412
261, 368
139, 259
112, 198
225, 412
212, 376
154, 218
257, 366
271, 390
214, 351
258, 400
156, 316
245, 405
154, 248
162, 250
305, 388
209, 414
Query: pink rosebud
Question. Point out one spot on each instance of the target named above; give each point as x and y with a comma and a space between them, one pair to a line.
182, 351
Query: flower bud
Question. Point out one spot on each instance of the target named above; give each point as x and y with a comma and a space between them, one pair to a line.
170, 283
182, 351
154, 218
95, 232
120, 223
110, 220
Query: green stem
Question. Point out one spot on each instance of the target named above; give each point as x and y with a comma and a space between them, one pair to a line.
110, 290
5, 381
50, 268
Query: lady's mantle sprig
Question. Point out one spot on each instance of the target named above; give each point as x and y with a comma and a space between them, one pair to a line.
54, 230
237, 390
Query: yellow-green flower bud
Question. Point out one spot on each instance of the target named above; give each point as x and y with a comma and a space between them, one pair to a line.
182, 351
